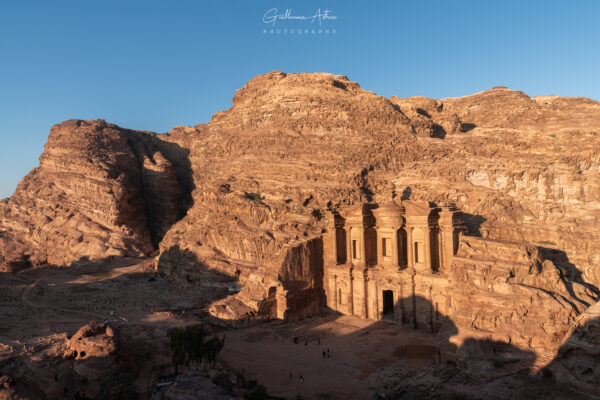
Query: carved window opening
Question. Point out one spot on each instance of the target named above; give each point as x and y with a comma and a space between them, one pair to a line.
354, 249
418, 252
340, 298
386, 247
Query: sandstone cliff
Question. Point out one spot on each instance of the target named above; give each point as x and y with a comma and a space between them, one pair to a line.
295, 145
99, 191
267, 169
257, 180
514, 293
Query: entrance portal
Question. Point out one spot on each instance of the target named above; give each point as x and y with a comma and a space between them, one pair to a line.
388, 302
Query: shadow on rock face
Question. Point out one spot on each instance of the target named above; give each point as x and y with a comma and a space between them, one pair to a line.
576, 364
485, 358
166, 181
473, 223
466, 127
571, 276
485, 362
438, 131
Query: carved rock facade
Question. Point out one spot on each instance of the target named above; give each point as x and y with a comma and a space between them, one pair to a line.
380, 257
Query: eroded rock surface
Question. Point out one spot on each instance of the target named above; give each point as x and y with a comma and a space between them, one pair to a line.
511, 293
578, 358
258, 179
99, 191
294, 145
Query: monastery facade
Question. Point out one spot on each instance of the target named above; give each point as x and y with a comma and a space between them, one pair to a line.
389, 260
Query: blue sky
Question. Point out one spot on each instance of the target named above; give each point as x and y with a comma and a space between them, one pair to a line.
156, 64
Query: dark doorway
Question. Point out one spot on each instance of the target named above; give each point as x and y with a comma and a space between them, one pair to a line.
388, 302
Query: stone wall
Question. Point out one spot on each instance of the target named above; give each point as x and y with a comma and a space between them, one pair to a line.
296, 292
495, 290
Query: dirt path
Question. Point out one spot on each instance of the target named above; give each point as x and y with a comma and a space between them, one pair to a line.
359, 353
26, 291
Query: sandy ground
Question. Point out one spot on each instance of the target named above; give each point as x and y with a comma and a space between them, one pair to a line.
50, 300
367, 358
41, 308
360, 353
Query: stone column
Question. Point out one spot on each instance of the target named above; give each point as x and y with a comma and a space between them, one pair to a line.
281, 296
336, 300
450, 222
334, 246
379, 247
373, 305
397, 306
358, 292
409, 253
395, 247
366, 294
447, 233
363, 246
377, 310
440, 238
351, 294
349, 246
427, 248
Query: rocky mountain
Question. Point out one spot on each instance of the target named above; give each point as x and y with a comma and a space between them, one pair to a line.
99, 191
248, 193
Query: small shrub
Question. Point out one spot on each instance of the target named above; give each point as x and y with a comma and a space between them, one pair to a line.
226, 188
564, 274
254, 196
